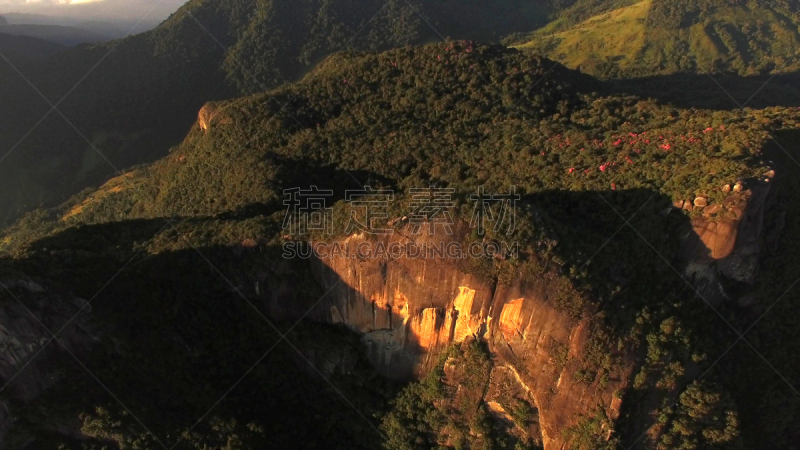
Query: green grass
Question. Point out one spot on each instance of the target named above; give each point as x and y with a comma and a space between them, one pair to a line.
630, 41
617, 33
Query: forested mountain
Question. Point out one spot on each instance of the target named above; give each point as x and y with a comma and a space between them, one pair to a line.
646, 300
213, 50
456, 115
133, 98
652, 37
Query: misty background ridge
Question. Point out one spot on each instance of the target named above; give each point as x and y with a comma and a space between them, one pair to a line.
102, 20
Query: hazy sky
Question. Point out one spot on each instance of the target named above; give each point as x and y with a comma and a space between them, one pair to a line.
116, 10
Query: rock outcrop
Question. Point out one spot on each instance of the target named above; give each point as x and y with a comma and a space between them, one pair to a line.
209, 116
727, 238
409, 310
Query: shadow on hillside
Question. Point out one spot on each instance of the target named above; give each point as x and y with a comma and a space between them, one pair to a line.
763, 398
175, 335
686, 90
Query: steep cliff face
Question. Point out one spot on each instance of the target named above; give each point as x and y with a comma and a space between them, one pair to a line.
411, 309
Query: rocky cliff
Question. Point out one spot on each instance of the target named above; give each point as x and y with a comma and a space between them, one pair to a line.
410, 309
727, 237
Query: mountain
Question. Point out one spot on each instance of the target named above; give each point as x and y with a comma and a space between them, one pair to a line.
21, 50
3, 21
653, 37
574, 340
113, 28
62, 35
132, 99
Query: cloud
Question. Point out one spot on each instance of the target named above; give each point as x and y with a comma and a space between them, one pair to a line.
47, 2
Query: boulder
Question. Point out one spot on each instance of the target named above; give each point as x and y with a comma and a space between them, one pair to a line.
713, 209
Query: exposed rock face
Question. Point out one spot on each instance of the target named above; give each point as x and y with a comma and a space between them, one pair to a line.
210, 115
409, 310
727, 239
742, 261
27, 353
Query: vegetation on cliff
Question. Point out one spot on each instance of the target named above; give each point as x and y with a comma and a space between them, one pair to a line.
447, 409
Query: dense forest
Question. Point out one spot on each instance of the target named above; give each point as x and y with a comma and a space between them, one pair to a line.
126, 102
459, 115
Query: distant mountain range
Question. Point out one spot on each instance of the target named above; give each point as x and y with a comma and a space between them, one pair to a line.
109, 29
63, 35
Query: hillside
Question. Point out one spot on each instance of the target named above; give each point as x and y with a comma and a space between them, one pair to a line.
134, 98
621, 337
652, 37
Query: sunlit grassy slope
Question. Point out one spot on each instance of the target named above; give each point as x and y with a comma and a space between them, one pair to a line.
743, 39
